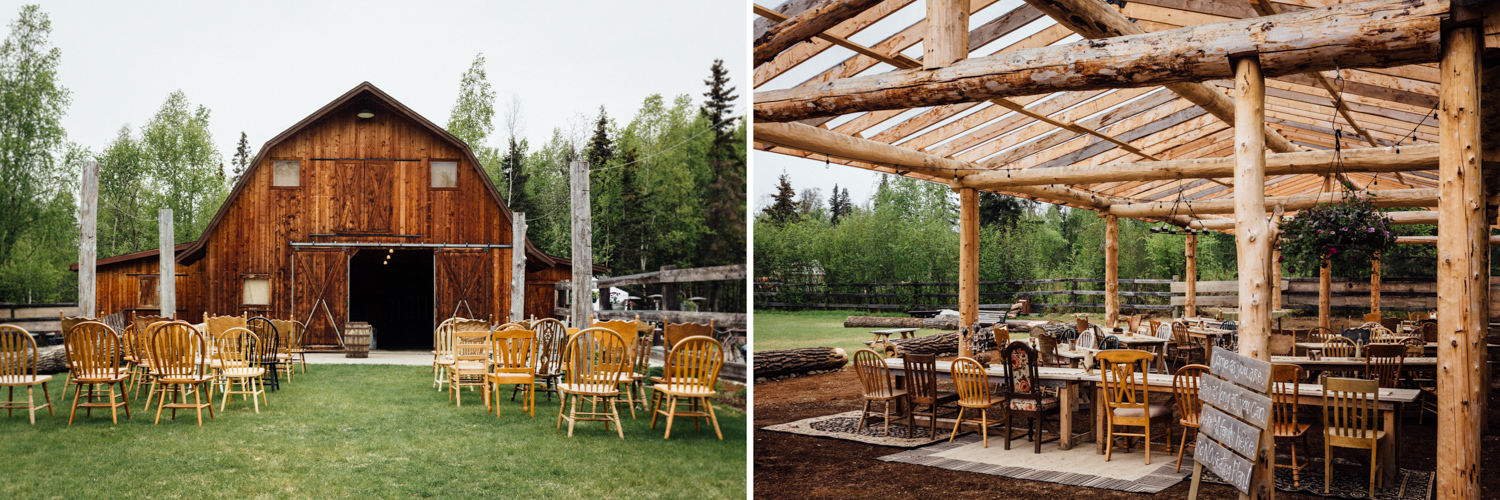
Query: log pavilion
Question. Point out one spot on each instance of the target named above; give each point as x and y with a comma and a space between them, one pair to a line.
363, 211
1218, 114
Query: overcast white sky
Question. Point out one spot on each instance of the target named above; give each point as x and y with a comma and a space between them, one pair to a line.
262, 66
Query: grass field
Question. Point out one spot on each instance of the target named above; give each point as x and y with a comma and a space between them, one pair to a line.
789, 329
371, 431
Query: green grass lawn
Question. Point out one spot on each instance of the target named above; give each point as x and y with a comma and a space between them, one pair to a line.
789, 329
370, 431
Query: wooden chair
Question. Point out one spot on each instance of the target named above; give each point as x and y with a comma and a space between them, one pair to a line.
974, 392
514, 363
1340, 347
877, 385
292, 352
1086, 339
922, 388
215, 325
595, 358
1046, 346
1392, 324
179, 356
1133, 323
18, 367
471, 358
270, 358
1321, 334
1189, 407
94, 352
1381, 335
691, 373
1383, 363
1023, 397
1372, 318
442, 352
239, 353
672, 333
630, 331
1182, 349
1351, 420
1429, 332
551, 334
1127, 398
1284, 425
1281, 344
640, 367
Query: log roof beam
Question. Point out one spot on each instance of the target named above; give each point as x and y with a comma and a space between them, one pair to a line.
1384, 198
807, 24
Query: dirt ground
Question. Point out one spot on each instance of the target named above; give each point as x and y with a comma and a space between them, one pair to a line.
796, 466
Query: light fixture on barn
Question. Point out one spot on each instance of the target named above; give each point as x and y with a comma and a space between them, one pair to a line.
364, 110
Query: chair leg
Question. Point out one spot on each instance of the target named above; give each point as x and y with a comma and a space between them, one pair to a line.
1374, 467
672, 414
1327, 467
862, 415
957, 424
76, 393
713, 418
1008, 431
615, 414
1181, 448
984, 426
30, 403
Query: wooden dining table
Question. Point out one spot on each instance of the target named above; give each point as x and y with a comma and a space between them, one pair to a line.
1072, 381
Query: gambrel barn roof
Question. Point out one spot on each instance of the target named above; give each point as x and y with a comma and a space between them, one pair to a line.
974, 122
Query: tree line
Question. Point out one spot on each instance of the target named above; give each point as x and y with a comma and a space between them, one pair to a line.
668, 186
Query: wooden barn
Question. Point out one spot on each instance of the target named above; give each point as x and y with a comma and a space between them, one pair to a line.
362, 211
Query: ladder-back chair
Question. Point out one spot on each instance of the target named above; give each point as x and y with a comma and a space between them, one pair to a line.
471, 358
513, 363
1189, 407
1285, 391
1351, 420
1127, 398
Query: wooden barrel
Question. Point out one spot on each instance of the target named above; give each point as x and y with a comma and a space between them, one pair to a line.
357, 340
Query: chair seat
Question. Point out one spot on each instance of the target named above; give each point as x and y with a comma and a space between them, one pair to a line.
243, 371
103, 378
469, 366
9, 380
589, 389
994, 400
1019, 404
1189, 421
941, 399
884, 394
183, 380
675, 380
1156, 411
1284, 430
685, 390
510, 378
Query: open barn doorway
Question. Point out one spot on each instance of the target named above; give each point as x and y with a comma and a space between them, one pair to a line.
392, 291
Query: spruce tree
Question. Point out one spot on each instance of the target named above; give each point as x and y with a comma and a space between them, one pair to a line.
241, 159
726, 208
784, 209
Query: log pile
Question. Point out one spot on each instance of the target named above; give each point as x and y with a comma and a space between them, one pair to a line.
895, 322
783, 362
942, 344
51, 359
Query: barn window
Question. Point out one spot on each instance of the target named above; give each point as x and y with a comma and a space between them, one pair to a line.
257, 292
150, 292
286, 173
444, 174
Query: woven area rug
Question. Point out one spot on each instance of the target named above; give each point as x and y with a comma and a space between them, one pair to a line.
1080, 466
1350, 480
842, 426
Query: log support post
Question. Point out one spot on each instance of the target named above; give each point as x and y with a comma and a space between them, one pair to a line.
1325, 290
1276, 277
583, 253
518, 267
1375, 284
88, 242
167, 264
968, 263
1111, 271
1253, 239
1190, 307
1462, 284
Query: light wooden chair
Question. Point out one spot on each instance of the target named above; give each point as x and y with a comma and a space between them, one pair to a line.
513, 363
692, 374
1133, 323
672, 333
1382, 335
1383, 363
471, 358
551, 335
18, 366
1189, 407
1046, 346
1285, 392
1182, 349
442, 352
291, 352
595, 358
1127, 398
143, 333
94, 355
640, 368
215, 325
1351, 420
1372, 318
877, 385
179, 356
921, 385
1340, 347
239, 351
973, 385
66, 324
631, 332
1023, 397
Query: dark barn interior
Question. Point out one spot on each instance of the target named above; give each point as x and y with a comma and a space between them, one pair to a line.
393, 291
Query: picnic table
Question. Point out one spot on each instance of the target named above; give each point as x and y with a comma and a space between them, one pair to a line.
883, 336
1325, 363
1071, 381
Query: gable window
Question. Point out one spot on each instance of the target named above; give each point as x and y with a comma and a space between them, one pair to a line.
444, 175
256, 291
150, 292
286, 173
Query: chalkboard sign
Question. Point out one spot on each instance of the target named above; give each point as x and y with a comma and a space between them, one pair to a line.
1243, 370
1235, 400
1238, 436
1233, 468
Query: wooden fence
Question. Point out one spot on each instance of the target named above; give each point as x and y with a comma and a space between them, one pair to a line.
721, 285
1396, 294
35, 318
1055, 295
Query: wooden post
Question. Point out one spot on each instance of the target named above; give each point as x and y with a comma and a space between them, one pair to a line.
1375, 284
1325, 290
88, 241
1190, 308
1461, 284
968, 263
583, 244
167, 264
1276, 277
947, 38
1253, 240
1111, 271
518, 267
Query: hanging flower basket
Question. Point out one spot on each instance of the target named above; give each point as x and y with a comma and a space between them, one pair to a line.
1349, 231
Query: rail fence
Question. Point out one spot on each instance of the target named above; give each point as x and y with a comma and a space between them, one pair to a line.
1053, 295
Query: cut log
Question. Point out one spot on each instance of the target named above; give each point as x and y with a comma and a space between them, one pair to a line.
882, 322
51, 359
1360, 35
782, 362
942, 344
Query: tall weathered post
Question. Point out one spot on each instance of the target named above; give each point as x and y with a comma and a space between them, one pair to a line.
518, 267
88, 240
583, 244
1111, 271
1190, 250
167, 264
1253, 239
968, 263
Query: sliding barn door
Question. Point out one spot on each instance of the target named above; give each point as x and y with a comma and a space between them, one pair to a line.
465, 283
320, 291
